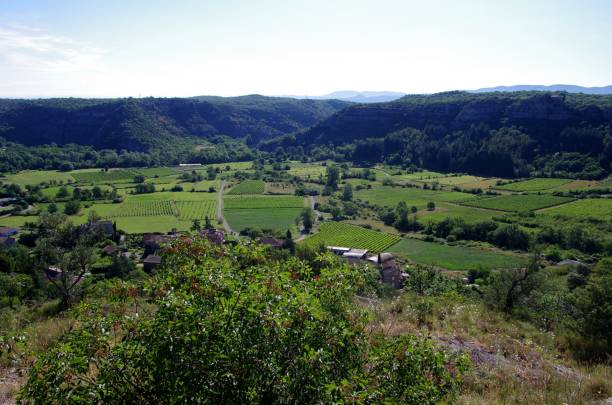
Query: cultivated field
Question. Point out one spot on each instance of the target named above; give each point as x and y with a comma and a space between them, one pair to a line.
262, 218
454, 257
248, 187
534, 184
599, 208
456, 180
101, 176
390, 196
518, 202
34, 177
343, 234
190, 210
253, 202
145, 209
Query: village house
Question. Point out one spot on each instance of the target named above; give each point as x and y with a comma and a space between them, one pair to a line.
151, 262
7, 241
272, 241
6, 231
110, 250
153, 242
215, 236
106, 226
390, 273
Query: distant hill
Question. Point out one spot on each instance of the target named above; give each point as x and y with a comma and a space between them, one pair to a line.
142, 124
358, 96
570, 88
499, 134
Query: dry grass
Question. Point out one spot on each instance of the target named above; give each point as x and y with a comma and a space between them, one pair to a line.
512, 361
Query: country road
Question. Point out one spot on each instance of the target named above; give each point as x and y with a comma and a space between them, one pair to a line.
220, 216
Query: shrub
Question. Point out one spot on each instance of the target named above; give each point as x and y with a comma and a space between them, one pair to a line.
234, 327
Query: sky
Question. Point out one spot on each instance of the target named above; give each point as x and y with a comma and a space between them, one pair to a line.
120, 48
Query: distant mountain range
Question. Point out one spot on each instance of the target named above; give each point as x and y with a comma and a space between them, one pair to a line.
357, 96
570, 88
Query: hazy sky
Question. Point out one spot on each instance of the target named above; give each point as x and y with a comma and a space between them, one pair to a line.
229, 47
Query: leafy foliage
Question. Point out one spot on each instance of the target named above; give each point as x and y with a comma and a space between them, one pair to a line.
234, 327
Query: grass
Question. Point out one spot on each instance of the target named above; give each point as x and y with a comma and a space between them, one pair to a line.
445, 210
454, 257
600, 208
17, 220
456, 180
156, 171
251, 202
343, 234
391, 196
174, 196
518, 202
262, 218
34, 177
249, 187
536, 184
306, 171
101, 176
146, 224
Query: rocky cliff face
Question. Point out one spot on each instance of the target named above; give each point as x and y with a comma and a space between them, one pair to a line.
457, 111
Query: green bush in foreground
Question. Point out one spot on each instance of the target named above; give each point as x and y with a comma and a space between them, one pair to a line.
235, 327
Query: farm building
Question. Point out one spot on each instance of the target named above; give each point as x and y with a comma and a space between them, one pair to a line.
215, 236
110, 250
190, 164
53, 273
153, 242
106, 226
338, 250
271, 241
150, 262
6, 231
7, 241
355, 256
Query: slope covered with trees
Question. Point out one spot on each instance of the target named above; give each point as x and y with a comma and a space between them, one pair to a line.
154, 123
498, 134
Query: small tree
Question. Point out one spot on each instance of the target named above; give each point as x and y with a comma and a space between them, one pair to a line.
333, 175
347, 193
509, 287
307, 218
431, 206
414, 209
139, 178
288, 242
52, 208
72, 207
207, 223
196, 225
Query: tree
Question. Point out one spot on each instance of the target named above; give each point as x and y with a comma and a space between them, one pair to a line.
196, 225
121, 267
72, 207
508, 288
139, 178
96, 193
69, 248
52, 208
207, 224
288, 243
307, 218
593, 327
62, 192
431, 206
333, 175
347, 193
414, 209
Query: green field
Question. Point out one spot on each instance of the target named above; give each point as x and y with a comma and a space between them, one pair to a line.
249, 187
518, 202
445, 210
251, 202
190, 210
537, 184
156, 171
454, 257
306, 171
17, 220
148, 224
101, 176
456, 180
34, 177
599, 208
145, 208
390, 196
343, 234
262, 218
